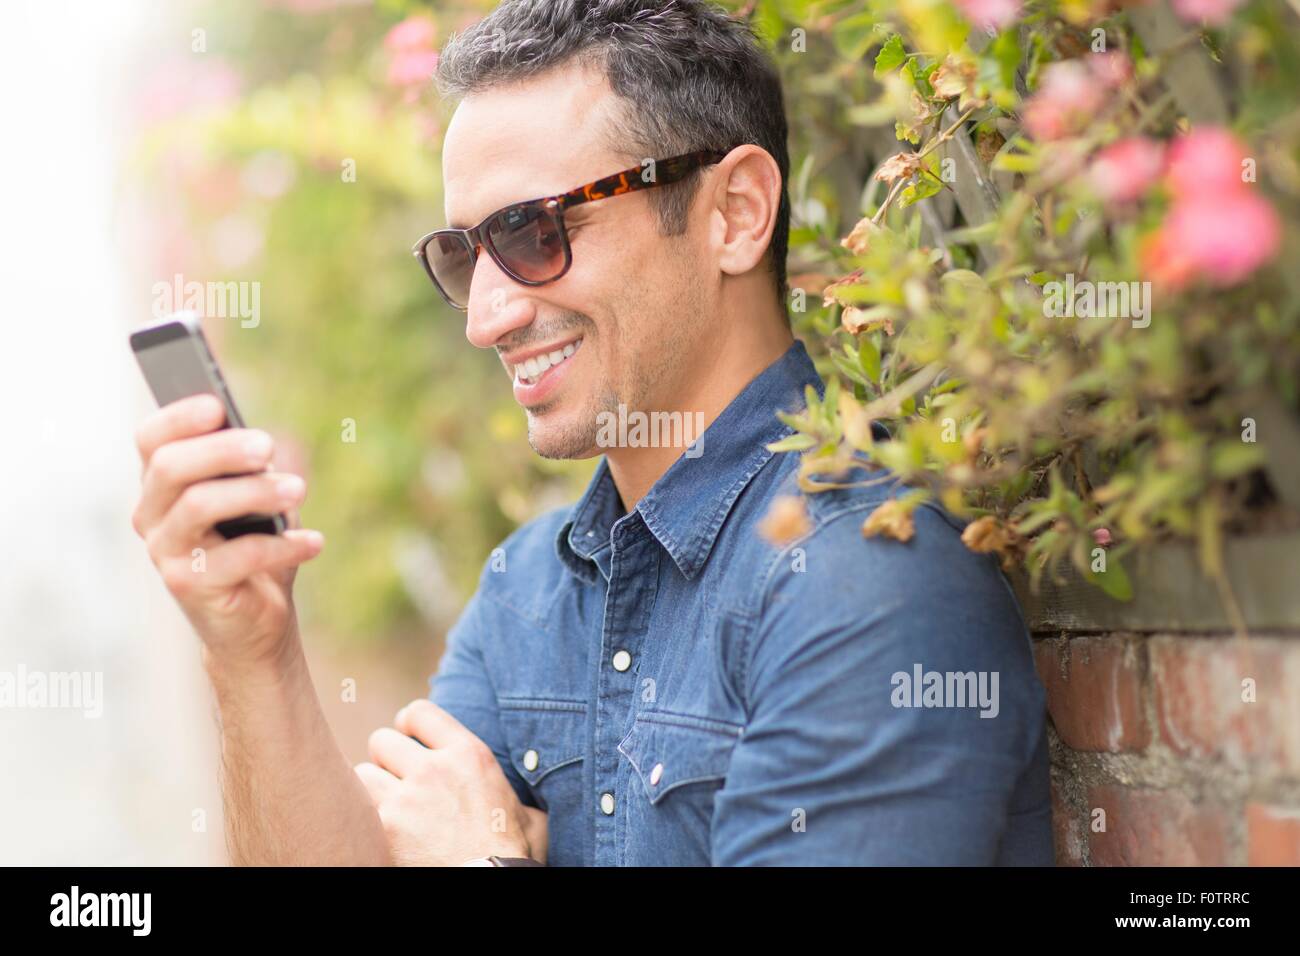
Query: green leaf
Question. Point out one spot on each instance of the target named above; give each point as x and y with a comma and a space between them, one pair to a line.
905, 133
891, 55
1015, 162
1231, 459
848, 367
869, 357
1114, 580
985, 232
1006, 52
870, 114
798, 442
923, 188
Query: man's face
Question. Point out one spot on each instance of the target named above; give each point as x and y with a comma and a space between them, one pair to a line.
628, 320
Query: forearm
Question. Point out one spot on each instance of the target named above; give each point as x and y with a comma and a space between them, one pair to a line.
290, 796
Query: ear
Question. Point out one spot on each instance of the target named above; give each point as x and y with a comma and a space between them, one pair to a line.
745, 203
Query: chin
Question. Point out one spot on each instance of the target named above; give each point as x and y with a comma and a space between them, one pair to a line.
553, 434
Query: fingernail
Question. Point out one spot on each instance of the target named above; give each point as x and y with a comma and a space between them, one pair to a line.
258, 445
315, 539
289, 487
210, 409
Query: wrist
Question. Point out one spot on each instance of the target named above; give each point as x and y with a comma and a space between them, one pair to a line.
508, 849
276, 667
498, 860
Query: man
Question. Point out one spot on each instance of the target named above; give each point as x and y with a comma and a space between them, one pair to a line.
641, 678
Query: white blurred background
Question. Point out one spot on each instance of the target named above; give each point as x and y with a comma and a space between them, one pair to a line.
77, 591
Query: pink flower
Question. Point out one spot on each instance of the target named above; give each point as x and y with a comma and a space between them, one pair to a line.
1112, 68
1164, 261
1209, 11
1225, 238
412, 54
1067, 98
1208, 160
990, 13
1124, 171
412, 34
412, 69
1101, 536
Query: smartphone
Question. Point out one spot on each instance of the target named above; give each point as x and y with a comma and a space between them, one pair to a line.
176, 362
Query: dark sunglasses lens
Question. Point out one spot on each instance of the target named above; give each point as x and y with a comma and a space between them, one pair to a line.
527, 241
452, 266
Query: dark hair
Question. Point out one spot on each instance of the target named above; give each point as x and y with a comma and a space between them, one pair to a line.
694, 77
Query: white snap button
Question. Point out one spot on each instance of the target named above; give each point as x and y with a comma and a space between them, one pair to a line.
622, 660
607, 804
531, 760
656, 774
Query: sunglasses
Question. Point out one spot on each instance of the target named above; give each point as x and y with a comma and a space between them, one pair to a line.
527, 240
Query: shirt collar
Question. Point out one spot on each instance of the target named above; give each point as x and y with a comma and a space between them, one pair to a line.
686, 508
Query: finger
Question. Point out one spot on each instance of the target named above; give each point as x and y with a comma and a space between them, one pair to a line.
431, 725
396, 752
230, 562
184, 418
379, 783
202, 505
178, 464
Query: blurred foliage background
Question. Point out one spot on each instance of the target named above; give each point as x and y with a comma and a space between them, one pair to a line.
301, 151
297, 145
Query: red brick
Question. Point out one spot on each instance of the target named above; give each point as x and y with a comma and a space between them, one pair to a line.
1156, 828
1095, 700
1067, 831
1272, 835
1197, 685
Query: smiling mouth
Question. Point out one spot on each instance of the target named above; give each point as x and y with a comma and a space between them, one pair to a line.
531, 371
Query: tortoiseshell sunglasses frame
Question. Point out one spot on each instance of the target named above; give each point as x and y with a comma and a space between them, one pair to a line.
666, 171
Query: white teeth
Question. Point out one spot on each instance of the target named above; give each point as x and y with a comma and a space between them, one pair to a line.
527, 372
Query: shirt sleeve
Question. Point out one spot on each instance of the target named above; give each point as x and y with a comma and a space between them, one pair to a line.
462, 687
833, 768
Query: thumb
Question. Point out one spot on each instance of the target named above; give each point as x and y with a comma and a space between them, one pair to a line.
536, 832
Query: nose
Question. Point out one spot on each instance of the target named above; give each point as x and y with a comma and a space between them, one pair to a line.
496, 306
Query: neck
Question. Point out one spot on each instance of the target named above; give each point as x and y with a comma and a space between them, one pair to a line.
739, 360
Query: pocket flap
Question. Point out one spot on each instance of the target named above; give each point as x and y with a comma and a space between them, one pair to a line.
669, 751
543, 735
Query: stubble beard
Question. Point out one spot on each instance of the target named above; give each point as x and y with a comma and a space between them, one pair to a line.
574, 438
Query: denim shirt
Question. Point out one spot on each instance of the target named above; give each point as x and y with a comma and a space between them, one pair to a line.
675, 690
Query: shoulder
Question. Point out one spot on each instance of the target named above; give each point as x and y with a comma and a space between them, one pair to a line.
920, 557
829, 556
928, 592
844, 613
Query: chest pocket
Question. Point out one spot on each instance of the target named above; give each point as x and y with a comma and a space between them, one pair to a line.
676, 765
546, 740
672, 752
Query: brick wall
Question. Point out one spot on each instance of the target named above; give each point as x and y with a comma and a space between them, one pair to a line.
1171, 750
